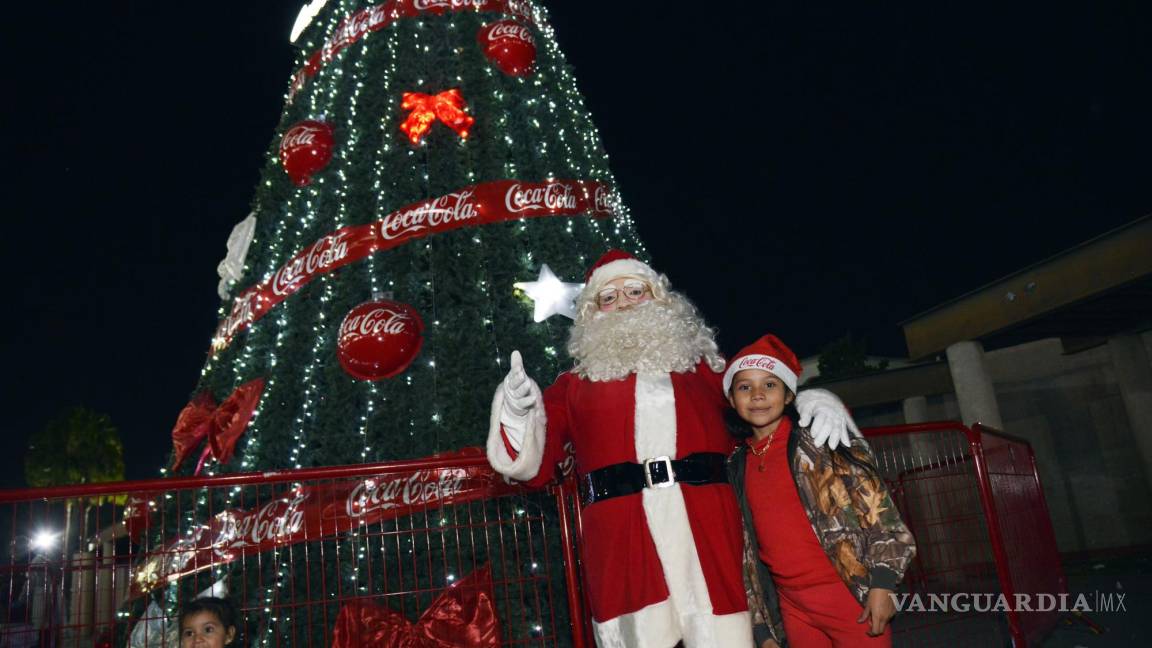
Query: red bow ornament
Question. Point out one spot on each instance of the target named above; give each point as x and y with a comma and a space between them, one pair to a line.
448, 107
463, 616
222, 425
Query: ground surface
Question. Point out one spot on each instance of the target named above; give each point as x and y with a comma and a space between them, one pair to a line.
1130, 575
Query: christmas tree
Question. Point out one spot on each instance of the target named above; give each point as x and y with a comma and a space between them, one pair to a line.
431, 155
508, 175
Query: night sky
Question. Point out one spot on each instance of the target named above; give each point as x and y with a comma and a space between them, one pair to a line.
806, 170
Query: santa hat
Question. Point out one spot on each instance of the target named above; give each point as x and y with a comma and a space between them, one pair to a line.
767, 354
615, 264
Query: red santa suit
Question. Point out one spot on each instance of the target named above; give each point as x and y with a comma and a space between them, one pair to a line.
662, 565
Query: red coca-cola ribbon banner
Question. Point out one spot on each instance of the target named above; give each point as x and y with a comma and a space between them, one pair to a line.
462, 616
447, 106
371, 19
313, 512
482, 204
222, 425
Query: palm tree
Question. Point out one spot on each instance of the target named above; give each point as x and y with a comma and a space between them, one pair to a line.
79, 446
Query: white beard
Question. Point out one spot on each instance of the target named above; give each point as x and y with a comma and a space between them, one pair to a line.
652, 337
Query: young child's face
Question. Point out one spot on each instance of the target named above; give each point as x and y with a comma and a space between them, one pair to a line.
759, 398
204, 630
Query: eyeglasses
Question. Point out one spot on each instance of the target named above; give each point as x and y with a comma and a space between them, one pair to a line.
632, 291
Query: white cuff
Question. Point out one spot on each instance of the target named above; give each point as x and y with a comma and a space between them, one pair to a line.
531, 427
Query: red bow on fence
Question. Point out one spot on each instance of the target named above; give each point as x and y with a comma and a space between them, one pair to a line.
463, 616
448, 107
222, 425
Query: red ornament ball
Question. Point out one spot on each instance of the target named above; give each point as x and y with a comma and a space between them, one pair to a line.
306, 149
379, 339
510, 46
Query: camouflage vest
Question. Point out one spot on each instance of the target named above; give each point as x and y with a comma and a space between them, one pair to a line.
851, 514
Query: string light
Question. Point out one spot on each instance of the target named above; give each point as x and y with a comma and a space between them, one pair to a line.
535, 126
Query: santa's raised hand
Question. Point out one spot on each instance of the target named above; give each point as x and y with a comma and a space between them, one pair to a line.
518, 388
518, 414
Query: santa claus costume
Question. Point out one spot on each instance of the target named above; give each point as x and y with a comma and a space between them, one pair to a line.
644, 412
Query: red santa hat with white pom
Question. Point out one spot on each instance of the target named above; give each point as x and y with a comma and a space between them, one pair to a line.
618, 264
767, 354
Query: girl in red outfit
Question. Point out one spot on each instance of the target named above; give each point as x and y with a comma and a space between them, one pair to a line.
825, 546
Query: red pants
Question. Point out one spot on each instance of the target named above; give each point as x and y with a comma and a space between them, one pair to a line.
824, 616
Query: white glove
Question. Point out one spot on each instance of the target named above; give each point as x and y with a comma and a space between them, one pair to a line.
829, 418
519, 397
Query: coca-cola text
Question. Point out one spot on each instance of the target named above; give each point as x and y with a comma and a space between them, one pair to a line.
554, 196
379, 321
431, 214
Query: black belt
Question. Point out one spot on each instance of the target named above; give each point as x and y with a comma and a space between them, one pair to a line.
660, 472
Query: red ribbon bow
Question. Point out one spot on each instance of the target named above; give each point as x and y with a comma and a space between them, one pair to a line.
222, 425
448, 107
463, 616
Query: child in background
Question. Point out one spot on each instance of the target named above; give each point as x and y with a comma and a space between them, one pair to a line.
825, 546
207, 622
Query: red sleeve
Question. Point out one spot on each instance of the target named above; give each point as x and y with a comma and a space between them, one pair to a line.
715, 380
557, 431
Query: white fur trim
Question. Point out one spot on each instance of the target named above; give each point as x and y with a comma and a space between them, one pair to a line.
651, 627
767, 363
655, 627
655, 431
533, 425
620, 268
667, 516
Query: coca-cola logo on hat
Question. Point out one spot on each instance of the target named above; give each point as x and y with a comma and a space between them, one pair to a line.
758, 362
379, 339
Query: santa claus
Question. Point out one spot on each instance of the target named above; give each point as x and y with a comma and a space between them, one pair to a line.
644, 412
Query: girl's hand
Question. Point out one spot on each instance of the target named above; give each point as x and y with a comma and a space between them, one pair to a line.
879, 608
769, 643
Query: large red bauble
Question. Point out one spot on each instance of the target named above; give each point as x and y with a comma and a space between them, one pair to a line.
510, 46
379, 339
305, 149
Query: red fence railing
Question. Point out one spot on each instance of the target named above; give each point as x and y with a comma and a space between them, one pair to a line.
369, 548
305, 551
972, 498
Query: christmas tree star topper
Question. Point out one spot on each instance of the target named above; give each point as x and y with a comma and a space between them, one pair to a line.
552, 296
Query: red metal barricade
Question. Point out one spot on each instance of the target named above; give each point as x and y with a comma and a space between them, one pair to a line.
295, 548
291, 555
972, 498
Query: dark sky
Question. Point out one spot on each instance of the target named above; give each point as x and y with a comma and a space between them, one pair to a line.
805, 168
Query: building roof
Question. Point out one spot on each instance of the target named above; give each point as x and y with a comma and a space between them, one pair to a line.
1085, 294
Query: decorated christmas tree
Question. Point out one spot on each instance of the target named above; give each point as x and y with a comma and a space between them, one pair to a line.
431, 155
433, 193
